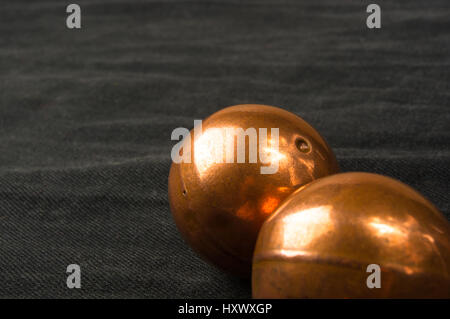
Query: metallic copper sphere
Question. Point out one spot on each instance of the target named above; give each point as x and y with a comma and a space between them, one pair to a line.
219, 206
320, 241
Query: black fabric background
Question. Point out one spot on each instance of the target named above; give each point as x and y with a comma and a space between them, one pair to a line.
86, 117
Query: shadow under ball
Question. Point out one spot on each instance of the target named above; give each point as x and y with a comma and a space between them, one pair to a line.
220, 207
320, 241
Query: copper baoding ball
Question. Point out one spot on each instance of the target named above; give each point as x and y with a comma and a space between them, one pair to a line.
219, 205
320, 241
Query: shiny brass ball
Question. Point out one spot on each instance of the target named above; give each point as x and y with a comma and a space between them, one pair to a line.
322, 238
220, 207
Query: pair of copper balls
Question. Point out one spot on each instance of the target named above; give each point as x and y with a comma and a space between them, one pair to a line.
306, 231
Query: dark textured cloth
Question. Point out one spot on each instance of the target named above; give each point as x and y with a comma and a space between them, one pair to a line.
86, 117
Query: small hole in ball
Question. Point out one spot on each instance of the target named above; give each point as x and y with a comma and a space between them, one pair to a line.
302, 145
184, 192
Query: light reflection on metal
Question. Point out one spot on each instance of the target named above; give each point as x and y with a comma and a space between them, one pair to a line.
320, 240
220, 207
